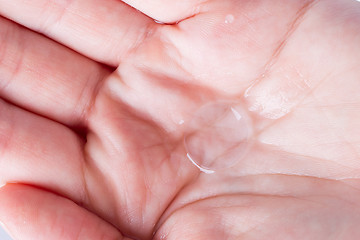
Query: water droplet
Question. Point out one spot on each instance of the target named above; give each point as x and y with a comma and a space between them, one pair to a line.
218, 136
159, 22
181, 122
229, 18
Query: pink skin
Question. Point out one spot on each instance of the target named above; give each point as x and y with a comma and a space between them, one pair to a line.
90, 141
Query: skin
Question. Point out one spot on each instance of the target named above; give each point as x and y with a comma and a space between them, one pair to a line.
92, 96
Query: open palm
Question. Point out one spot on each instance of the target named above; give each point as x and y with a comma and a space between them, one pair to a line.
92, 131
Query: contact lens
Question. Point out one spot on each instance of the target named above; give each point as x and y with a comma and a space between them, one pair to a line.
218, 136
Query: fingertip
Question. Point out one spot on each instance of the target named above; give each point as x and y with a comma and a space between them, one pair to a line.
5, 189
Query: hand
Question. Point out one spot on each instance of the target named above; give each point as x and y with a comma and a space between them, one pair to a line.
92, 131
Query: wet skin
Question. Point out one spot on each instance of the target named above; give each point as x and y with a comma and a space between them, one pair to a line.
92, 122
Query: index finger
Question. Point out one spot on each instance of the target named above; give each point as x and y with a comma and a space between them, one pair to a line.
105, 31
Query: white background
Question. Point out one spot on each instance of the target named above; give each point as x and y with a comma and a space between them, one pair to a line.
3, 235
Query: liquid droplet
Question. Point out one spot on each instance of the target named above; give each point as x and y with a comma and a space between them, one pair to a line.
158, 22
218, 136
229, 18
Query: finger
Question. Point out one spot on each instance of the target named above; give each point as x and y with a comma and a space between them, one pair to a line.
168, 11
32, 213
104, 31
37, 151
45, 77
